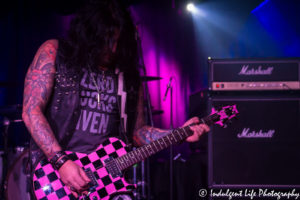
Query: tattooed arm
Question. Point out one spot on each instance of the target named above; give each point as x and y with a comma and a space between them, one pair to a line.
144, 134
39, 83
38, 88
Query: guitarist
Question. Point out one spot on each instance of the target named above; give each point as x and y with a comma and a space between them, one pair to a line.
83, 89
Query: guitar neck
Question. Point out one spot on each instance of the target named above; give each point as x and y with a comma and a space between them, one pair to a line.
176, 136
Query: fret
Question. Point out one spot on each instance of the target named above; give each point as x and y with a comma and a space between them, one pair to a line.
186, 133
160, 142
127, 165
146, 150
160, 147
153, 145
151, 150
138, 154
118, 164
183, 133
121, 159
181, 138
157, 149
143, 155
167, 136
124, 163
132, 157
131, 154
121, 162
130, 160
172, 135
125, 158
127, 161
175, 138
176, 133
163, 140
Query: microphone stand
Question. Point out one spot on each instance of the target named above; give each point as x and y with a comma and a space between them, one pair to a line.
149, 120
170, 87
171, 147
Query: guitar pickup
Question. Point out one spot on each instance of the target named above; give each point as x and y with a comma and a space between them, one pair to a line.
112, 168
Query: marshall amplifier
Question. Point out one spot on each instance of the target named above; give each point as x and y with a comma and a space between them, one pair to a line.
253, 74
261, 148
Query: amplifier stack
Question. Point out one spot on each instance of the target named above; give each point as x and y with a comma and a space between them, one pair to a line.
261, 149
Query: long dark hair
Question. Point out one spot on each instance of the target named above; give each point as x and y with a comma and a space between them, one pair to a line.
92, 32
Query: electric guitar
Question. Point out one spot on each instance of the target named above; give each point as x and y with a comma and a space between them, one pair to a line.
104, 166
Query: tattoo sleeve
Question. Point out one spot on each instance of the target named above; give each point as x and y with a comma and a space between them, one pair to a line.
37, 90
148, 134
144, 134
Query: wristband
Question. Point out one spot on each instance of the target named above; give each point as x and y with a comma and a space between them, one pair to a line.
56, 157
61, 162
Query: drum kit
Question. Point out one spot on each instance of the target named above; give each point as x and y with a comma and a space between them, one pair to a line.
14, 175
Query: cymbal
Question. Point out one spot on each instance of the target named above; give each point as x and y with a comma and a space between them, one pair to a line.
150, 78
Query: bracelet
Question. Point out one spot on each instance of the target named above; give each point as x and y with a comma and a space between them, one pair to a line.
61, 162
56, 157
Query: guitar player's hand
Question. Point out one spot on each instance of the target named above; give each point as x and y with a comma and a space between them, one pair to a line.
74, 177
197, 129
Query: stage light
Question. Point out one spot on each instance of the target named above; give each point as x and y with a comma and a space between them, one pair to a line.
191, 7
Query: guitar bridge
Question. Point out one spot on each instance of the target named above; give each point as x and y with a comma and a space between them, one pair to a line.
112, 167
93, 183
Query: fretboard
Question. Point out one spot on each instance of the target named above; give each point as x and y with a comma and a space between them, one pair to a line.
174, 137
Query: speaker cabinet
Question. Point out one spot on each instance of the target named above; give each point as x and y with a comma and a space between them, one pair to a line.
261, 148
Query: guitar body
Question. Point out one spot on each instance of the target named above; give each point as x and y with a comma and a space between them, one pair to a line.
48, 186
104, 166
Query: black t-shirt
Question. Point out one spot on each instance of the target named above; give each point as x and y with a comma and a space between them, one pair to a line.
97, 122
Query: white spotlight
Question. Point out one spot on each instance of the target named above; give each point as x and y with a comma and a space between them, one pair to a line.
191, 7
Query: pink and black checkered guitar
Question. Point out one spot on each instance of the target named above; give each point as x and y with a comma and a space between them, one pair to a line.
105, 165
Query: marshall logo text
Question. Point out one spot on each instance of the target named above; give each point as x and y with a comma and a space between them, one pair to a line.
246, 133
258, 71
